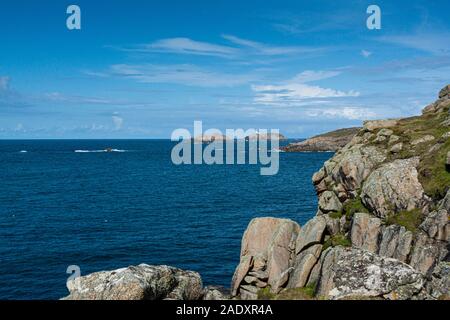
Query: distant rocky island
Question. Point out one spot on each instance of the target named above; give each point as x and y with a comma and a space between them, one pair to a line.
221, 137
381, 230
330, 141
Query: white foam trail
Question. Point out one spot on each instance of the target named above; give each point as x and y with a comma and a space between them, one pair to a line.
97, 151
23, 151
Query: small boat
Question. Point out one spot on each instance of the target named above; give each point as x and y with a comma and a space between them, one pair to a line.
108, 150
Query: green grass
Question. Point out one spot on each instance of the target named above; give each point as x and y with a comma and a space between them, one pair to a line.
340, 132
337, 240
353, 206
305, 293
408, 219
335, 214
433, 175
265, 294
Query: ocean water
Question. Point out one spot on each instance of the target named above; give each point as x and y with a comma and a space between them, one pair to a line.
103, 211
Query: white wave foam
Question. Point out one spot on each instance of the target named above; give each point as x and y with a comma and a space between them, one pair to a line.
23, 151
97, 151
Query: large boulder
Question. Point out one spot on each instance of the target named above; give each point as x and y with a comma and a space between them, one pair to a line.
328, 201
304, 263
439, 285
142, 282
445, 92
353, 165
393, 187
396, 243
365, 232
267, 251
373, 125
437, 225
351, 272
215, 293
427, 253
311, 233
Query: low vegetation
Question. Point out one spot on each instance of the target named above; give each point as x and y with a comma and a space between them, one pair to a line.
408, 219
433, 174
305, 293
353, 206
337, 240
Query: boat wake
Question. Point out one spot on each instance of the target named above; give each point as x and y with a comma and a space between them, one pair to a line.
99, 151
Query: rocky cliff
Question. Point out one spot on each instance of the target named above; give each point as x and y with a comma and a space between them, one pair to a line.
382, 226
331, 141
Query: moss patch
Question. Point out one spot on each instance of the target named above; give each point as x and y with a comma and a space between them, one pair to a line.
305, 293
353, 206
337, 240
408, 219
335, 214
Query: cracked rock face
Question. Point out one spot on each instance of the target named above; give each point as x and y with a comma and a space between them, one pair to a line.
393, 187
268, 246
142, 282
354, 272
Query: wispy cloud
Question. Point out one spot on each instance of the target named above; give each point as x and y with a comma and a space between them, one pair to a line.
117, 121
237, 48
350, 113
432, 42
296, 90
258, 48
183, 74
189, 46
4, 83
366, 53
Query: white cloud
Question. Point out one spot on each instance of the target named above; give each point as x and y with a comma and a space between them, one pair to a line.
311, 75
433, 42
118, 122
295, 91
189, 46
267, 50
237, 49
4, 83
350, 113
184, 74
19, 128
366, 53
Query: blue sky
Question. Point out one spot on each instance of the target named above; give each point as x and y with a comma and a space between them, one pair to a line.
142, 69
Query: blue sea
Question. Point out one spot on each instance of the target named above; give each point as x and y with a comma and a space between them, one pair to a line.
107, 210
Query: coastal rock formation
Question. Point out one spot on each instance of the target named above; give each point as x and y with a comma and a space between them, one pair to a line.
359, 273
382, 227
393, 187
266, 256
331, 141
207, 138
266, 136
142, 282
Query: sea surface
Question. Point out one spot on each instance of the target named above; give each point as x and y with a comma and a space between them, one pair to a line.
66, 202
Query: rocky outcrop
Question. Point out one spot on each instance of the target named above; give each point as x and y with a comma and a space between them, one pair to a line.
266, 136
396, 243
348, 272
365, 232
266, 256
331, 141
382, 225
142, 282
393, 187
